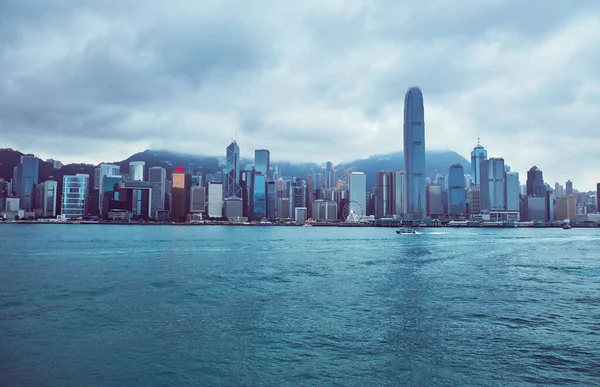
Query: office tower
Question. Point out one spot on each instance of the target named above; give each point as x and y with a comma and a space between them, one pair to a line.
386, 192
434, 200
566, 208
136, 170
215, 200
358, 194
569, 187
536, 208
478, 154
102, 171
232, 172
535, 182
475, 199
233, 209
26, 178
558, 190
157, 177
330, 175
512, 191
259, 196
110, 186
457, 201
283, 208
297, 194
74, 196
262, 163
271, 200
414, 153
300, 214
492, 184
197, 199
180, 194
399, 184
48, 199
310, 194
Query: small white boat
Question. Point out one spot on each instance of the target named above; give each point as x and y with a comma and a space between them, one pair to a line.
406, 231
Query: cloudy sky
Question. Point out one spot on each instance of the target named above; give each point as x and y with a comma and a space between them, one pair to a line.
313, 81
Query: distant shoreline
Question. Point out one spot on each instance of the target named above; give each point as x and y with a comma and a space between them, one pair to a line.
316, 224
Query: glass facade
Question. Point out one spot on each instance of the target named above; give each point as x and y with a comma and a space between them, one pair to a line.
232, 168
259, 208
358, 193
157, 177
535, 182
297, 194
271, 200
512, 191
262, 162
457, 201
493, 184
414, 153
74, 196
478, 155
28, 175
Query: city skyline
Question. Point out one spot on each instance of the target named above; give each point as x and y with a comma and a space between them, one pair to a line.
286, 81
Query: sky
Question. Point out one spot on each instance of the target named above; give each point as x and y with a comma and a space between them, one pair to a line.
91, 81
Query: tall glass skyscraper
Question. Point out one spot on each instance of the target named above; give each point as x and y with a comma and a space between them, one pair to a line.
26, 180
262, 162
478, 154
259, 208
493, 184
414, 153
232, 172
456, 190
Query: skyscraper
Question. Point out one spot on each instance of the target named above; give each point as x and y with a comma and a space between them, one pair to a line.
102, 171
262, 163
456, 190
414, 153
358, 193
399, 184
493, 184
26, 180
297, 194
535, 182
157, 177
478, 154
180, 194
569, 187
259, 208
232, 171
512, 191
74, 196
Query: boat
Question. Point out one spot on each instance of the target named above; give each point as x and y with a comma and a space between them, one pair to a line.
566, 226
307, 225
406, 231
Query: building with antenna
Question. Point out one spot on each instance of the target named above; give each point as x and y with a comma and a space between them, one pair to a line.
478, 155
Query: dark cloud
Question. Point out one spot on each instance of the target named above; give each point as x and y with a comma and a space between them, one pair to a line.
314, 80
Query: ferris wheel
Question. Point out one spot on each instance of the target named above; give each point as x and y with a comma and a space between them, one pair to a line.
352, 212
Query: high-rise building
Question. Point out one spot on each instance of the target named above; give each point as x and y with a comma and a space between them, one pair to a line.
569, 187
259, 208
197, 200
74, 196
414, 153
434, 200
25, 181
157, 177
330, 175
558, 190
399, 184
49, 199
215, 200
102, 171
512, 191
535, 182
271, 199
136, 170
262, 163
297, 194
475, 199
358, 194
549, 202
566, 208
478, 154
384, 191
232, 172
456, 190
492, 184
180, 194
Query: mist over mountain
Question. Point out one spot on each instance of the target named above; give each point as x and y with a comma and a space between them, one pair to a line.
435, 162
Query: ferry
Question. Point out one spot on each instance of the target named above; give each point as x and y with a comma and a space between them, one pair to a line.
406, 231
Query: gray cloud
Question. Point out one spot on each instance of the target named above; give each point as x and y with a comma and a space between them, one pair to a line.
310, 81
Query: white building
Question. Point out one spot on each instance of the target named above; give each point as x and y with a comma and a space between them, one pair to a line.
215, 200
358, 193
136, 170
